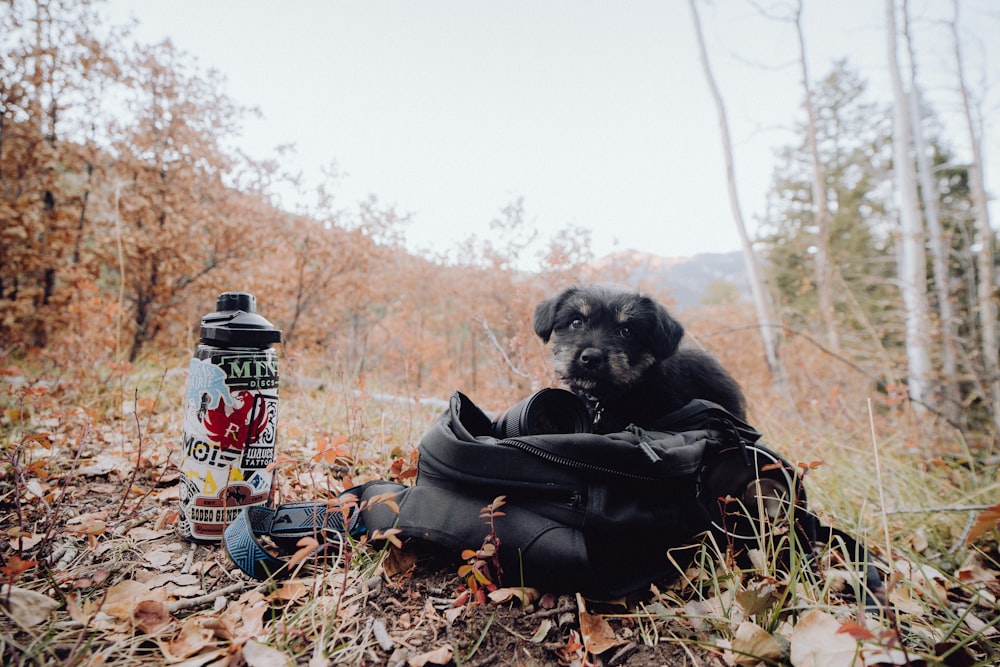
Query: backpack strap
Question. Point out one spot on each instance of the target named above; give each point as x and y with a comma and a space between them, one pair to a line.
285, 526
703, 414
815, 535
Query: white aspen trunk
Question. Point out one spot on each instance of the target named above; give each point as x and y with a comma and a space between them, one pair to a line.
770, 332
912, 272
821, 209
986, 279
940, 250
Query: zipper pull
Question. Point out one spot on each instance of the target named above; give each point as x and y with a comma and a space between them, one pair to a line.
644, 445
648, 451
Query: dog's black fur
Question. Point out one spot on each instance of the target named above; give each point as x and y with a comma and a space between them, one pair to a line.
619, 351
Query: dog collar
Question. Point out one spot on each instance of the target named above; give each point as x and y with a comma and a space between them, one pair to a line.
595, 408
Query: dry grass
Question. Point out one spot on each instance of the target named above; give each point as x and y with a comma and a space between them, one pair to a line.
87, 505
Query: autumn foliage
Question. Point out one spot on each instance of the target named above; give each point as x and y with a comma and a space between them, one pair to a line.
126, 208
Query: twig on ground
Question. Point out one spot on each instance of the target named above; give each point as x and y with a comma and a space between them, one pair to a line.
970, 521
138, 456
190, 559
195, 602
566, 607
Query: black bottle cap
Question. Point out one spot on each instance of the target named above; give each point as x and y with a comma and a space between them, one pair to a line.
228, 301
237, 324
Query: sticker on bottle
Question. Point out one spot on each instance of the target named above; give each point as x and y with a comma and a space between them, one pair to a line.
230, 428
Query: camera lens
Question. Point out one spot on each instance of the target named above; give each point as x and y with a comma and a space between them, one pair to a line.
546, 411
743, 499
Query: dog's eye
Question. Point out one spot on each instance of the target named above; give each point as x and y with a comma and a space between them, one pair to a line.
576, 324
625, 332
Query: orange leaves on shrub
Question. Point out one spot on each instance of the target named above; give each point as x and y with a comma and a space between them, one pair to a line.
482, 570
16, 566
332, 452
403, 468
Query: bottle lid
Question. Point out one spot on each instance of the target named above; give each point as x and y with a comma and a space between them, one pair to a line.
237, 324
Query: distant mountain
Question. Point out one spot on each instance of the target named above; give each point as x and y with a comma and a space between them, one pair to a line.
689, 280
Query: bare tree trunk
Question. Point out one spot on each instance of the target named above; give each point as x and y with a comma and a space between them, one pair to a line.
912, 266
821, 208
986, 259
770, 332
940, 250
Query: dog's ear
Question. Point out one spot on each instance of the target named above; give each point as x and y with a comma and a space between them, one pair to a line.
667, 332
545, 317
546, 311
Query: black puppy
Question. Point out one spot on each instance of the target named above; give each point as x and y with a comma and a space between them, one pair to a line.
618, 350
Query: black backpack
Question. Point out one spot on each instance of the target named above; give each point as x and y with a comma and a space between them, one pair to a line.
588, 513
584, 512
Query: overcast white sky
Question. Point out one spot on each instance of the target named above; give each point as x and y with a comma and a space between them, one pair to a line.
596, 112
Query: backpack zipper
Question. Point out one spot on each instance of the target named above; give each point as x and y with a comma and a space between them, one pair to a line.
574, 463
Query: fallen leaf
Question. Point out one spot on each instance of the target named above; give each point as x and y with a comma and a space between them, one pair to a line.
319, 661
975, 571
151, 617
16, 566
87, 518
816, 641
192, 638
918, 540
307, 546
883, 657
980, 627
856, 630
248, 617
598, 636
548, 601
27, 541
542, 632
34, 488
124, 596
918, 583
987, 520
99, 466
451, 613
399, 561
439, 656
698, 613
289, 591
26, 608
159, 557
752, 644
524, 595
253, 620
261, 655
217, 658
143, 534
758, 597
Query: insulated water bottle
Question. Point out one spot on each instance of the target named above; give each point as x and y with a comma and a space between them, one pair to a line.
230, 418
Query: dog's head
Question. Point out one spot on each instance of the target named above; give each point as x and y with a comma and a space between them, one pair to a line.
604, 339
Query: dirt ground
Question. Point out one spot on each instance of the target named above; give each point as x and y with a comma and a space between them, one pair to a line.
120, 587
545, 632
92, 572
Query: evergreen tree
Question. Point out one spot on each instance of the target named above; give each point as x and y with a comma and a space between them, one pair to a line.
853, 137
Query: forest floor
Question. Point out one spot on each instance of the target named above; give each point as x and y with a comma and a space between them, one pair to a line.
93, 571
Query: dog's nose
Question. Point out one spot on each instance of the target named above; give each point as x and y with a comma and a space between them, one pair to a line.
591, 357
